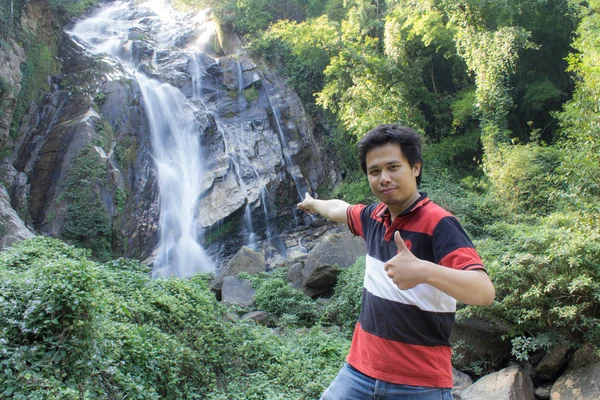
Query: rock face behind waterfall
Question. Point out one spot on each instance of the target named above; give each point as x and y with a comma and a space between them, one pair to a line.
84, 157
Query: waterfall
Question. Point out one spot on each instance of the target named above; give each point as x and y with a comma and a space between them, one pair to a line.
178, 155
175, 134
293, 169
192, 99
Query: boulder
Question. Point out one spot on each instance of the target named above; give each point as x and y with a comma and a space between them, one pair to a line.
237, 291
245, 260
460, 382
587, 354
510, 383
580, 381
542, 392
552, 362
294, 275
260, 317
334, 251
482, 339
12, 228
580, 384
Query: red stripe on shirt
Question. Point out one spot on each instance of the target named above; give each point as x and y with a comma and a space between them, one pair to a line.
354, 222
400, 363
463, 258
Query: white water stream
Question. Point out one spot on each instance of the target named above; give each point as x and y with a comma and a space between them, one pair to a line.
175, 131
177, 152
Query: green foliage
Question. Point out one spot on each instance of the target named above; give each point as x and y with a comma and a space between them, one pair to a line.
463, 109
70, 8
39, 65
72, 328
580, 120
547, 279
344, 307
88, 221
276, 296
48, 305
523, 176
251, 94
105, 134
354, 192
296, 365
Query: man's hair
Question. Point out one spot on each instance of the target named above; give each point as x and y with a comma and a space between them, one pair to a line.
408, 139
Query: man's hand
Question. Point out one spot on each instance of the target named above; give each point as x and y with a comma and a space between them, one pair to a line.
334, 210
307, 204
406, 270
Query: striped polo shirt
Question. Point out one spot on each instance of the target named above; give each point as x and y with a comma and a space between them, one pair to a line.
403, 336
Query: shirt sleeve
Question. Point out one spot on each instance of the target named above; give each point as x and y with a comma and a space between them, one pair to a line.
354, 219
453, 248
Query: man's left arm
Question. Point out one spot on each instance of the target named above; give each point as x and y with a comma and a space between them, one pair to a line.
407, 271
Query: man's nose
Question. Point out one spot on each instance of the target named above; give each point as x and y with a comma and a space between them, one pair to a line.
384, 177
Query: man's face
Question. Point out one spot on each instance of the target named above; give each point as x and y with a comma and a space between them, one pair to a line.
392, 179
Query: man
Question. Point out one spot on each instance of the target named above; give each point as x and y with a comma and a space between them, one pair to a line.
419, 263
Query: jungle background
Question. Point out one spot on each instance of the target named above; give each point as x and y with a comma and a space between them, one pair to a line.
506, 95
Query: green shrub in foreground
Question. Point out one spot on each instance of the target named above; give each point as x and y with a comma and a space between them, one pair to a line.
72, 328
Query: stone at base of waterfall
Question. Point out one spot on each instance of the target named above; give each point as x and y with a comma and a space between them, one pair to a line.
294, 275
552, 362
460, 382
580, 384
334, 251
510, 383
237, 291
12, 228
245, 260
260, 317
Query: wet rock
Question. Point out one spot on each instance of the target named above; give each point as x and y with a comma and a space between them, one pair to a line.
12, 228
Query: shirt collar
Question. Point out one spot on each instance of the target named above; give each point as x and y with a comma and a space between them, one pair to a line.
420, 202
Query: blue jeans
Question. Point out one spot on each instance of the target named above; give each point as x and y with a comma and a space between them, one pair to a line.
351, 384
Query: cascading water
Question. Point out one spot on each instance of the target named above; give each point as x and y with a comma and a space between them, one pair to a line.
155, 44
175, 137
178, 158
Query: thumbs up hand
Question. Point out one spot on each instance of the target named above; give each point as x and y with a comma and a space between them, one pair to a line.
406, 270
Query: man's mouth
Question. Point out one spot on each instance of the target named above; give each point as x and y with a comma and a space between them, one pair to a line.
387, 190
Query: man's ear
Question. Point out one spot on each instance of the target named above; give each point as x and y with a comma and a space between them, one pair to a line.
417, 169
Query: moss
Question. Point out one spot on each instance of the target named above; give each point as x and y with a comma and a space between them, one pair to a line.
217, 234
251, 94
88, 221
41, 62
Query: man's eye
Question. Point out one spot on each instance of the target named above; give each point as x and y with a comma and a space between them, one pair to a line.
374, 172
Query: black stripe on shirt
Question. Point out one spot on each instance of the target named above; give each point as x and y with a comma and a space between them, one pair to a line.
404, 323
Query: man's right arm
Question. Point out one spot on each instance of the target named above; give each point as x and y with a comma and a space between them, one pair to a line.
334, 210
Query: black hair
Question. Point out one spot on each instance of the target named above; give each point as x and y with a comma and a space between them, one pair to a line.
408, 139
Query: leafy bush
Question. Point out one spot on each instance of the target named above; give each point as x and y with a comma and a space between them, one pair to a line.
547, 280
278, 297
344, 307
71, 328
523, 176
